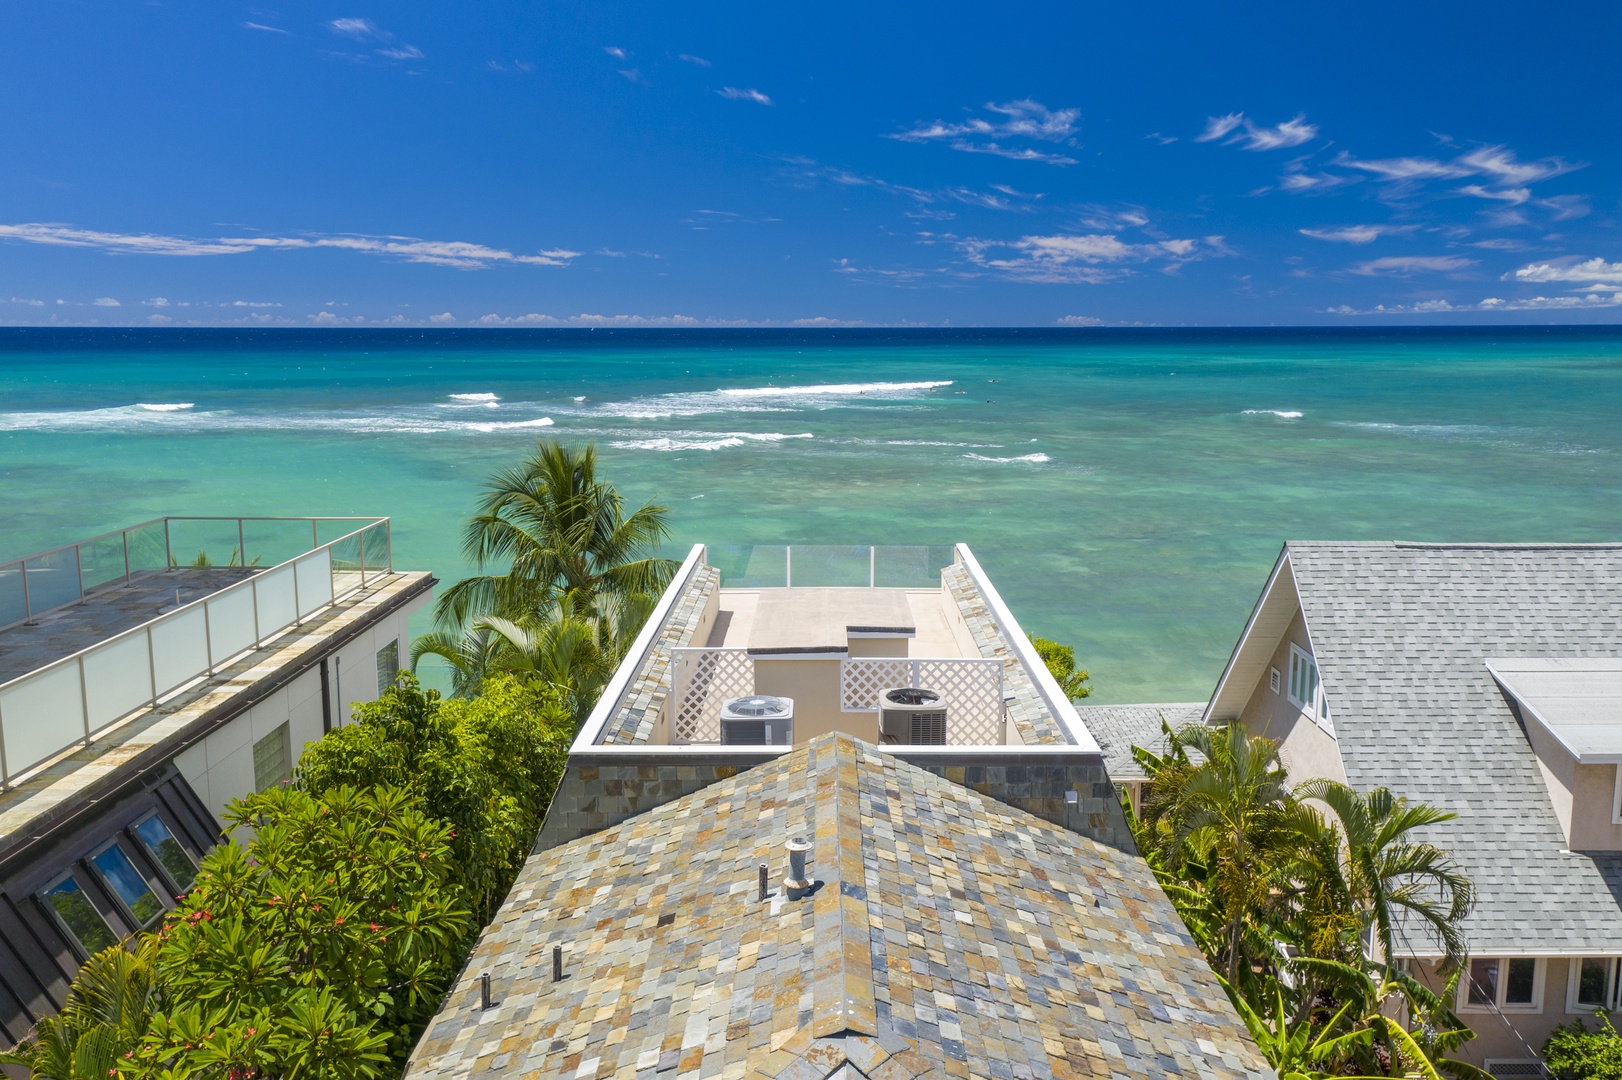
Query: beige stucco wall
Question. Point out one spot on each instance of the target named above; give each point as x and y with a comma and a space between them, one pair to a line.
875, 646
1582, 795
1307, 749
814, 686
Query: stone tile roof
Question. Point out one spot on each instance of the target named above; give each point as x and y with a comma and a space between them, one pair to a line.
1402, 633
1029, 714
639, 710
1118, 728
948, 935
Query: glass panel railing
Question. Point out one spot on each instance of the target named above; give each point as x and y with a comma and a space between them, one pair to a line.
204, 542
102, 561
273, 541
179, 648
12, 609
758, 566
148, 548
375, 544
277, 608
318, 581
911, 567
830, 566
230, 623
53, 580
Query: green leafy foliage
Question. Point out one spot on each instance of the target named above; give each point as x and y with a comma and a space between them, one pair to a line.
1575, 1053
1281, 887
484, 766
1061, 663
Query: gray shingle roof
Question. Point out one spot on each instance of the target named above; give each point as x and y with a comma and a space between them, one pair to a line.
1118, 728
1402, 633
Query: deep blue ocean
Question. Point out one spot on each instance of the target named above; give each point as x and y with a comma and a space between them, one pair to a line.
1128, 490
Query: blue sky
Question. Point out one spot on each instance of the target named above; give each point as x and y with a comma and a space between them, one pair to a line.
603, 164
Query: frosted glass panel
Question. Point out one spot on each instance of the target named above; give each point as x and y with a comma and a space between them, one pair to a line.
179, 648
275, 589
230, 621
53, 580
117, 679
314, 581
41, 716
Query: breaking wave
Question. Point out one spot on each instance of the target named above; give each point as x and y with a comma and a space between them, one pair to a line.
764, 399
1035, 459
1282, 414
701, 440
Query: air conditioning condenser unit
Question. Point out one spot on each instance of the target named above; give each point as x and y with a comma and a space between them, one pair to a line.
912, 716
757, 720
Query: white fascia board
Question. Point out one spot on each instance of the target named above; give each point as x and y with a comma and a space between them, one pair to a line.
1526, 707
1279, 564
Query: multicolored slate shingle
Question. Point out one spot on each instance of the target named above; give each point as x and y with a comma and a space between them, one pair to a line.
948, 934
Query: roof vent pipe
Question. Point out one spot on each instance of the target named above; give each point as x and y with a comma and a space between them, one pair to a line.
797, 884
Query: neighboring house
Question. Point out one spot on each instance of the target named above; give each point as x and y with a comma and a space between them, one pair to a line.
975, 904
1484, 679
140, 694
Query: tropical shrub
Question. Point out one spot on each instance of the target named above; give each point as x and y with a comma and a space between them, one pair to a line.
485, 767
1575, 1053
1061, 663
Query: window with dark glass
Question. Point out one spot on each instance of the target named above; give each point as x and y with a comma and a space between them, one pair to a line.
166, 851
272, 759
1521, 981
127, 884
388, 666
1593, 981
1483, 982
79, 915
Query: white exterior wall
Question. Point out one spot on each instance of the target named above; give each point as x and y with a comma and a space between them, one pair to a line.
219, 767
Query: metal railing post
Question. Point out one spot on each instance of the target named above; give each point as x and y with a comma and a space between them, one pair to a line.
152, 666
208, 638
315, 536
28, 604
388, 533
84, 701
242, 546
253, 591
788, 566
872, 566
298, 608
78, 566
363, 558
168, 548
126, 535
5, 773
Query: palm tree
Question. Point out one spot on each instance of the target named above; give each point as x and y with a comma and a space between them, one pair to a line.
1386, 873
560, 530
1229, 813
109, 1007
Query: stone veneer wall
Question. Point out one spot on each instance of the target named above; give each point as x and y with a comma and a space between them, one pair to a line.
598, 794
1029, 714
640, 709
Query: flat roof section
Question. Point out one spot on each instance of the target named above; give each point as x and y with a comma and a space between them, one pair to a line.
1578, 700
107, 613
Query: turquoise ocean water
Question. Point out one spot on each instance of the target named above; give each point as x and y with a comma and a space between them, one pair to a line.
1127, 490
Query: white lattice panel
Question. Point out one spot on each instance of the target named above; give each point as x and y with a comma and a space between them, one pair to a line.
703, 680
971, 689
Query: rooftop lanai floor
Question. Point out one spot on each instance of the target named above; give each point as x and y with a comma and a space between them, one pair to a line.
104, 614
732, 670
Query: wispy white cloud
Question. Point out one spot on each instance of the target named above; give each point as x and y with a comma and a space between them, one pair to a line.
27, 301
368, 32
267, 29
689, 58
1356, 234
1566, 207
733, 93
454, 253
442, 318
1310, 183
1408, 265
1255, 136
1082, 258
1589, 275
1079, 320
1506, 176
106, 301
1513, 196
1406, 168
1017, 120
1000, 197
616, 52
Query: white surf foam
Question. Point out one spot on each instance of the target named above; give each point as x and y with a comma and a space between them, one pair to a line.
478, 399
1282, 414
165, 407
704, 440
831, 389
1036, 459
936, 442
763, 399
184, 417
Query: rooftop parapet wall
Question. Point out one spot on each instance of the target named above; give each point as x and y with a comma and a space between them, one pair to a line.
688, 622
1030, 716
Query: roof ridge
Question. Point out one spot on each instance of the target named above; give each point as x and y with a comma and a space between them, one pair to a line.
1464, 545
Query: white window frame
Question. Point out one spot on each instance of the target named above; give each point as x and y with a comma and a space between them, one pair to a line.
1317, 709
1574, 967
1539, 973
1616, 799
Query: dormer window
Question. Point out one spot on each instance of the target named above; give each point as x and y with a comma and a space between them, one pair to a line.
1306, 693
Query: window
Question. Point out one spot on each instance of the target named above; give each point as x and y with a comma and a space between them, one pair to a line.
388, 665
272, 759
126, 883
1306, 693
88, 929
166, 851
1513, 984
1591, 984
